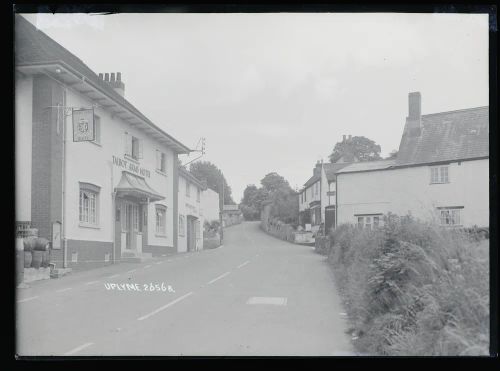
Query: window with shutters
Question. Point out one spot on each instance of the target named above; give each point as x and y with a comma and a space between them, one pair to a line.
89, 205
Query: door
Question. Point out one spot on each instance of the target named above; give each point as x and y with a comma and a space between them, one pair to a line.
329, 218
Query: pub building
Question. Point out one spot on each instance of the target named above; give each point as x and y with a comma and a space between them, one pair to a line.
93, 174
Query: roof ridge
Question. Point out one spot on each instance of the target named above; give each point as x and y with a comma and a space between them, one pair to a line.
456, 111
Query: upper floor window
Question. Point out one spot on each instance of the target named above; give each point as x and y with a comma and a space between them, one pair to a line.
133, 146
188, 193
89, 204
450, 216
161, 161
439, 174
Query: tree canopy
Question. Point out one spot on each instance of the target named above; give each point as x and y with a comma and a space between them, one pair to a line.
205, 170
362, 148
275, 188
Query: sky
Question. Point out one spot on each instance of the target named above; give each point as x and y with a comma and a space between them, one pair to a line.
274, 92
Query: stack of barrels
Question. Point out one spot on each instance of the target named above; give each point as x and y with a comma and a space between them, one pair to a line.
36, 251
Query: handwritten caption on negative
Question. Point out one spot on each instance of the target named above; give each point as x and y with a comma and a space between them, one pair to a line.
139, 287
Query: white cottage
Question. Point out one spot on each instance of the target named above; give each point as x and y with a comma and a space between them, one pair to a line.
441, 173
98, 201
191, 213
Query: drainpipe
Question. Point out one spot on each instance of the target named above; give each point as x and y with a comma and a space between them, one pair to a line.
63, 204
113, 214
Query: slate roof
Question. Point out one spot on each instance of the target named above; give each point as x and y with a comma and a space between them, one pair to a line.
312, 180
332, 168
447, 136
367, 166
33, 47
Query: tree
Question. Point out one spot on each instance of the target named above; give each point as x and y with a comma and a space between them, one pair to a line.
205, 170
251, 203
362, 148
273, 181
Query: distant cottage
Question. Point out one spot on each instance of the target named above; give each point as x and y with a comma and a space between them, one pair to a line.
440, 173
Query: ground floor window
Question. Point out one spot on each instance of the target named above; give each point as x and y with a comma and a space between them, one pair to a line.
161, 220
369, 221
450, 216
181, 225
89, 204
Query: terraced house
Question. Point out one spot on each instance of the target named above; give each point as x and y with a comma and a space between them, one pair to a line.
441, 173
99, 201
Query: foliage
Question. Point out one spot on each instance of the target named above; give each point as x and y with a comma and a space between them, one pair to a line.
205, 170
393, 154
362, 148
285, 203
414, 288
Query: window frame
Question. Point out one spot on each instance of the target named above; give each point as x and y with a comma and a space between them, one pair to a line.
92, 221
97, 130
453, 215
440, 174
162, 231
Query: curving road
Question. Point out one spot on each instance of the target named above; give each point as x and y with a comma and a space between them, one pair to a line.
254, 296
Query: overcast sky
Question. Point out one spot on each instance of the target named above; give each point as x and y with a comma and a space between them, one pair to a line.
275, 92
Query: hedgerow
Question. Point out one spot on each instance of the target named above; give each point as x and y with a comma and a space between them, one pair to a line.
413, 288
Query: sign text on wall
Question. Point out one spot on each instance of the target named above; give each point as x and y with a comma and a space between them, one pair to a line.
130, 166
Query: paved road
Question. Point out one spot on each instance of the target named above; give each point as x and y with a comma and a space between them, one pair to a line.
255, 295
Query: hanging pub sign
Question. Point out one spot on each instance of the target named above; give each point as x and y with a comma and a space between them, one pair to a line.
83, 125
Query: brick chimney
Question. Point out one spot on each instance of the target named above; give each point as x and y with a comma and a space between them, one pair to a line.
414, 119
114, 81
317, 169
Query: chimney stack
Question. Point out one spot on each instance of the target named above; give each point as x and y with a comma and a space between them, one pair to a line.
349, 137
343, 140
414, 119
115, 82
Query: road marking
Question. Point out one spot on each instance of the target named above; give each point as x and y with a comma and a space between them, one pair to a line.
113, 276
218, 278
66, 289
28, 299
243, 264
147, 266
165, 306
132, 270
77, 349
91, 282
266, 300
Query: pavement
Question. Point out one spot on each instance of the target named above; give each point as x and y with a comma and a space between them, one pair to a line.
254, 296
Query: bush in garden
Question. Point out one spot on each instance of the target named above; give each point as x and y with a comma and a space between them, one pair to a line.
414, 288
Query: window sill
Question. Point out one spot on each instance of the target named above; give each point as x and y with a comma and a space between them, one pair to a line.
91, 226
161, 172
130, 158
160, 235
439, 183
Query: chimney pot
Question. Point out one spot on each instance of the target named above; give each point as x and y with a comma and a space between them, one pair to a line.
112, 77
343, 138
414, 106
119, 76
350, 137
106, 77
101, 76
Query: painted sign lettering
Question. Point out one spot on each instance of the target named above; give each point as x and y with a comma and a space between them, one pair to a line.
130, 166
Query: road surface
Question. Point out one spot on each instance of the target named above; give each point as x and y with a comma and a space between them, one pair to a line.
254, 296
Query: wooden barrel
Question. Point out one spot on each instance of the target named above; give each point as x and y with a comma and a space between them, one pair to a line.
45, 259
41, 244
27, 259
29, 243
37, 259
